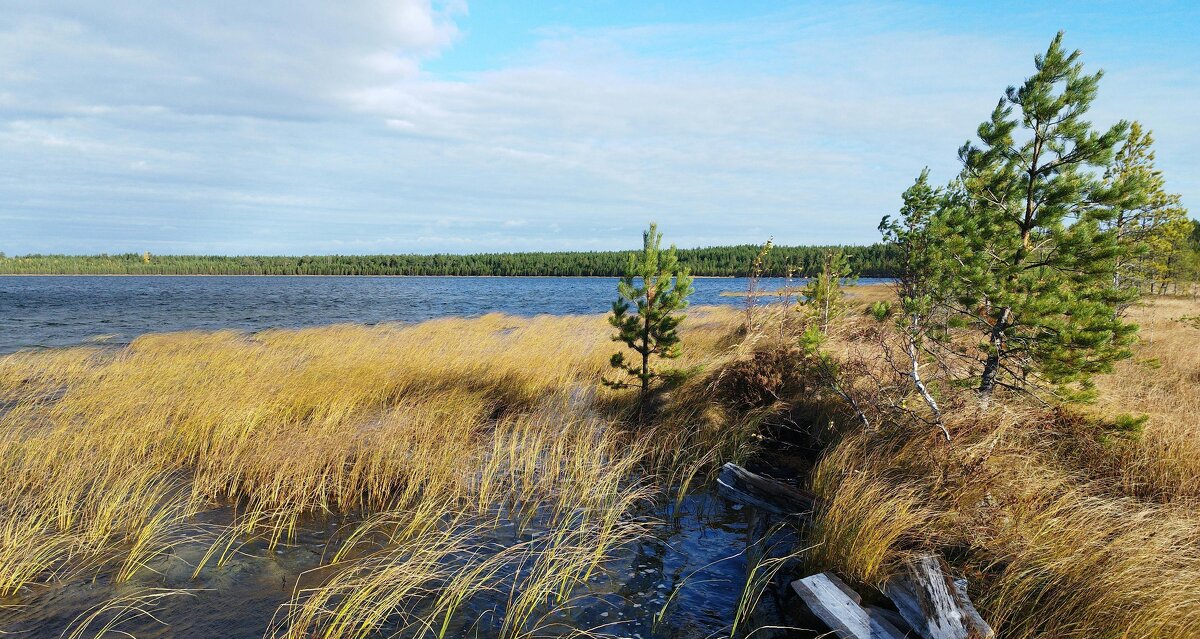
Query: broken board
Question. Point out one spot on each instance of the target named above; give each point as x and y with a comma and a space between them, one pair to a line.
830, 601
935, 605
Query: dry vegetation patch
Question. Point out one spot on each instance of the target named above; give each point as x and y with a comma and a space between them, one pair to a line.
1069, 520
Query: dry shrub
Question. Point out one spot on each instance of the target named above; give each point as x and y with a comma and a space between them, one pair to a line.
764, 379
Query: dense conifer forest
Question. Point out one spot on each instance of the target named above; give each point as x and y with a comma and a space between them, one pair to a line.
868, 261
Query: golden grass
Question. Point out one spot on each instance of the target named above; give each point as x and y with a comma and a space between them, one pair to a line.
1065, 527
869, 521
429, 434
1162, 381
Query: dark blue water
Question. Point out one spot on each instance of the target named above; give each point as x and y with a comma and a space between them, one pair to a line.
60, 311
682, 581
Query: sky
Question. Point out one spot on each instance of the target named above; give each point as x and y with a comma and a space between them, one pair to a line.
410, 126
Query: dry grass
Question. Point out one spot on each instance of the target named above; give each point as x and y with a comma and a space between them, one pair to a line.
1066, 526
431, 434
869, 521
1162, 382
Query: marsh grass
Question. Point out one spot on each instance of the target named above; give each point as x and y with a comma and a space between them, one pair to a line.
426, 440
426, 437
108, 618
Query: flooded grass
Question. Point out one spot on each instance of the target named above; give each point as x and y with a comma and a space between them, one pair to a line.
453, 478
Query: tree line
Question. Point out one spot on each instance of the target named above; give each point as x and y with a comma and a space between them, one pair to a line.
870, 261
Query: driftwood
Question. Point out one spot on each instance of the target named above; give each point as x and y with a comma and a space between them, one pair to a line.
738, 484
974, 619
931, 604
830, 601
892, 617
935, 605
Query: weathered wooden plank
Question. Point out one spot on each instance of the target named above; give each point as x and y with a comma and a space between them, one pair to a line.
839, 612
980, 628
932, 604
767, 494
841, 585
892, 617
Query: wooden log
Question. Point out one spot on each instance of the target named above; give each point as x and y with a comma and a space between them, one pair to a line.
933, 604
841, 613
740, 485
974, 619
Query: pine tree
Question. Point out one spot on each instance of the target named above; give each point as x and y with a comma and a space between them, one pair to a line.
1184, 265
1151, 225
1029, 244
823, 293
919, 284
656, 288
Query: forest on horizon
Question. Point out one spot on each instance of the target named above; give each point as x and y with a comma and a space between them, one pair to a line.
875, 260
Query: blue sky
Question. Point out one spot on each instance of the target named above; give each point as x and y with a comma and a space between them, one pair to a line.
370, 126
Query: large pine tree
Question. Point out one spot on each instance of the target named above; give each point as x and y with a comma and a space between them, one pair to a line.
1028, 244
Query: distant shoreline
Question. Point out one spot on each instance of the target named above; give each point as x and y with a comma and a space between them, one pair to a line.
547, 277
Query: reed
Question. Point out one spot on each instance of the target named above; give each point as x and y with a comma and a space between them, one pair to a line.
428, 436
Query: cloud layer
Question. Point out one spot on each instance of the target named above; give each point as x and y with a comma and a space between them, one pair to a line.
274, 127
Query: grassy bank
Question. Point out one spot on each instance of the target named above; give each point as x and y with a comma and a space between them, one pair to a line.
1068, 520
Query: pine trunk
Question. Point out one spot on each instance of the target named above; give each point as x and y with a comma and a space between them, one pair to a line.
991, 365
646, 348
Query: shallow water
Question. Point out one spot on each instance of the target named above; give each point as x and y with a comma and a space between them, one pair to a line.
59, 311
691, 569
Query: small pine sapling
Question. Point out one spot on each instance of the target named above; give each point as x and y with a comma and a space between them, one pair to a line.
646, 313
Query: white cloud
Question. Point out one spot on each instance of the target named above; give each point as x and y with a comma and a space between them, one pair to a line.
265, 58
310, 127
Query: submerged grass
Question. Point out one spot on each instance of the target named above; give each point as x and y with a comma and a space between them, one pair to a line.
427, 436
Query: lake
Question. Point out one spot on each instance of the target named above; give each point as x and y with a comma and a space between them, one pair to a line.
52, 311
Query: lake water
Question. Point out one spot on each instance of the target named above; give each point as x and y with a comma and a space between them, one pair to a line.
65, 310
